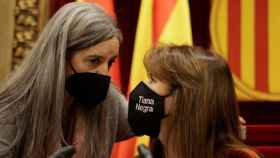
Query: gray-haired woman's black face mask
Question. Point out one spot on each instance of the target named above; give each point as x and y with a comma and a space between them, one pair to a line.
88, 89
145, 111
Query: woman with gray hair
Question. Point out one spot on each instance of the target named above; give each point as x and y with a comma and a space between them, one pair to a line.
62, 95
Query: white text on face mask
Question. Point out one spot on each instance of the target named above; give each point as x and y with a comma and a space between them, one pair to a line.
144, 108
143, 100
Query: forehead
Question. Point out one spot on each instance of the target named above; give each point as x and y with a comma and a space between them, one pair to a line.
108, 47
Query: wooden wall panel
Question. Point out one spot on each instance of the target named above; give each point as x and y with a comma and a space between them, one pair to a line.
6, 36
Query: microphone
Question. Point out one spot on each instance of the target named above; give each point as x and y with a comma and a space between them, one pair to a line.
144, 151
65, 152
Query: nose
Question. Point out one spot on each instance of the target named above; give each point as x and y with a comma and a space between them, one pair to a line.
103, 69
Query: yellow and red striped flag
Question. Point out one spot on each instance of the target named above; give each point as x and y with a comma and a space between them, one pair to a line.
246, 33
108, 5
160, 21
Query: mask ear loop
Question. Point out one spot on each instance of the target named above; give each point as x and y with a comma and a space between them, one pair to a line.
69, 137
72, 68
168, 95
68, 59
164, 97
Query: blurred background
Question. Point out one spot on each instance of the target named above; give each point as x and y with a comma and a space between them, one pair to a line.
245, 32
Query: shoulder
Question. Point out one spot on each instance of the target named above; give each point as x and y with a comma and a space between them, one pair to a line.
242, 152
118, 103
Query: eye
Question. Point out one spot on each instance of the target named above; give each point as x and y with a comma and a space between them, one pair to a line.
110, 63
151, 78
95, 61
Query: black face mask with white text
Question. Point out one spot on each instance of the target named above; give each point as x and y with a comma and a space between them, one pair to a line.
145, 111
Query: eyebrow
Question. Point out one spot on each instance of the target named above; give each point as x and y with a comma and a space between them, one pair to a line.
100, 56
94, 56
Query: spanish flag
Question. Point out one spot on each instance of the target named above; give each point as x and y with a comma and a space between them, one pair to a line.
160, 21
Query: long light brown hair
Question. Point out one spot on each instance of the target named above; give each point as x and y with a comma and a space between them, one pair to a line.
33, 97
205, 118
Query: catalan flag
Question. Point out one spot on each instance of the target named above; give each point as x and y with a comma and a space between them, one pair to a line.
246, 33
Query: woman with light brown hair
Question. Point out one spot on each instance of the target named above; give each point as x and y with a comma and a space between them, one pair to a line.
62, 94
189, 102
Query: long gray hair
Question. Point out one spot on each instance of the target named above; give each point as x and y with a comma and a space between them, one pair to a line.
33, 96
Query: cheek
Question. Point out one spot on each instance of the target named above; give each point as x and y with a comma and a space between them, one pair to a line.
79, 64
162, 88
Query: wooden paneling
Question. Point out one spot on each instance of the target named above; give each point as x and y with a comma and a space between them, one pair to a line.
6, 36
